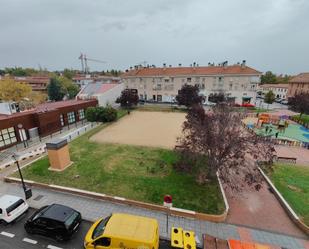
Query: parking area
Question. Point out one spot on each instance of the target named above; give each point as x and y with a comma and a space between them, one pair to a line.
14, 236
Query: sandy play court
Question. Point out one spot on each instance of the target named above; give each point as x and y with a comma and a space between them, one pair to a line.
155, 129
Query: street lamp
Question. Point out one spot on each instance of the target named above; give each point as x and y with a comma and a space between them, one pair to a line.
21, 133
27, 191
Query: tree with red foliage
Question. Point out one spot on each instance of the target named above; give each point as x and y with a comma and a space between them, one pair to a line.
219, 140
300, 103
189, 95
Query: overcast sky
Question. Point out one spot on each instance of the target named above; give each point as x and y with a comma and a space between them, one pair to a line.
269, 34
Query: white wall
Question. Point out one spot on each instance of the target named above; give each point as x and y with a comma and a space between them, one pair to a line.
109, 97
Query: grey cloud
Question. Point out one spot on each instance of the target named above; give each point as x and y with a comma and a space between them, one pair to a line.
270, 34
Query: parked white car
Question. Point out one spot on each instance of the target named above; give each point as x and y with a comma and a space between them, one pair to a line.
11, 207
208, 103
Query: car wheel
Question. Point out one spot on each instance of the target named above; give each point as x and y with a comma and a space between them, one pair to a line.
3, 222
29, 230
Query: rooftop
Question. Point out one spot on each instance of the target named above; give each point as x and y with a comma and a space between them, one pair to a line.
301, 78
198, 70
131, 226
279, 85
45, 107
58, 212
97, 88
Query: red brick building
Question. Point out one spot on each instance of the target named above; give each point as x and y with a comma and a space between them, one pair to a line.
44, 120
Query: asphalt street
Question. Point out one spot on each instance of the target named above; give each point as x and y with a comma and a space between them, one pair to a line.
14, 236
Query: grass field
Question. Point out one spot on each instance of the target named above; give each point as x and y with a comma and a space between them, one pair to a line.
293, 183
138, 173
304, 118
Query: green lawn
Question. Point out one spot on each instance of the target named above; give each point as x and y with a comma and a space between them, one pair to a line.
160, 108
293, 183
304, 118
137, 173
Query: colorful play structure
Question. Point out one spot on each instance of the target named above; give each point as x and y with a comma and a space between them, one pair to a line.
278, 127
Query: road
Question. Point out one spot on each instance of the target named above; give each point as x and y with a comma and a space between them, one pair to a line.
14, 236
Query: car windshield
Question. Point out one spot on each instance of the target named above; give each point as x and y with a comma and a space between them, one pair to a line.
71, 219
100, 228
39, 213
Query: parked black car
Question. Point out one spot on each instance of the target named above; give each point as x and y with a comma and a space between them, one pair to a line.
56, 221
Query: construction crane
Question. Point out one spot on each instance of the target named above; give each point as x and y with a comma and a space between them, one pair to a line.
84, 62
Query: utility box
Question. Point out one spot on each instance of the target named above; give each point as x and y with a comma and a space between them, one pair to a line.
58, 154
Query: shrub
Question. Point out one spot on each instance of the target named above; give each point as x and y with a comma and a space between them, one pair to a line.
101, 114
91, 114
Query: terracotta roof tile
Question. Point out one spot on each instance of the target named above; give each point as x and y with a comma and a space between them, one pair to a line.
301, 78
279, 85
174, 71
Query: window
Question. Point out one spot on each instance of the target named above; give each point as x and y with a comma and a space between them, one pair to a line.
100, 228
81, 114
61, 120
172, 79
188, 79
103, 242
166, 80
7, 136
71, 117
159, 98
159, 86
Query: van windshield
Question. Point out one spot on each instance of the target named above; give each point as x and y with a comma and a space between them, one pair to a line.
99, 230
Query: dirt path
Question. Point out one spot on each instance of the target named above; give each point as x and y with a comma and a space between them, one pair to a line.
155, 129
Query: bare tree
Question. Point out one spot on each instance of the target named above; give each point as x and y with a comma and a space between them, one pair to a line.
219, 140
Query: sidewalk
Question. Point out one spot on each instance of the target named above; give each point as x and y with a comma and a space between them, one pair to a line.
93, 209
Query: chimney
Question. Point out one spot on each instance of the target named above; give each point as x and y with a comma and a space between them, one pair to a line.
209, 64
194, 64
164, 64
131, 68
179, 65
225, 64
170, 65
243, 64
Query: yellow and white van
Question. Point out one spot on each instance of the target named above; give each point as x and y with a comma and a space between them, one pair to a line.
123, 231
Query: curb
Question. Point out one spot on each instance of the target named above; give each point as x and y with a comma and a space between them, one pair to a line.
285, 205
120, 200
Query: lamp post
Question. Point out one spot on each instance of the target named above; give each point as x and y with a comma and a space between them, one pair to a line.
27, 191
21, 133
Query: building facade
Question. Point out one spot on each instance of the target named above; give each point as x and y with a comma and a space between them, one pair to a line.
280, 90
44, 120
104, 93
162, 84
299, 84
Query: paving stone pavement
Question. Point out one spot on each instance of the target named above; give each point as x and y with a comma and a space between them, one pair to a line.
93, 209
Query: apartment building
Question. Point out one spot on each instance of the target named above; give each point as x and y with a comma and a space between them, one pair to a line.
299, 84
280, 90
162, 84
